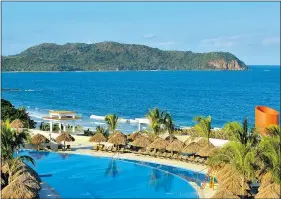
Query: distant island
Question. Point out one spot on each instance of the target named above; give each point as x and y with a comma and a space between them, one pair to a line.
113, 56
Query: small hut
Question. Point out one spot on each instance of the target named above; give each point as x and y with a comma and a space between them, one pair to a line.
159, 144
234, 184
118, 139
98, 137
189, 140
207, 150
132, 137
141, 142
170, 138
270, 191
65, 137
176, 146
39, 139
17, 124
152, 137
192, 148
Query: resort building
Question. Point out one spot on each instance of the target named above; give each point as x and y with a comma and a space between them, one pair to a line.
62, 118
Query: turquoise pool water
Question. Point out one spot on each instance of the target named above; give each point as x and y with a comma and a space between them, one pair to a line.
82, 176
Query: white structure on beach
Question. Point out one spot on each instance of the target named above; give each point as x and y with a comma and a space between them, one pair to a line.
61, 117
137, 121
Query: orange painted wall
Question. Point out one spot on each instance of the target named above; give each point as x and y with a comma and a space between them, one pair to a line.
265, 117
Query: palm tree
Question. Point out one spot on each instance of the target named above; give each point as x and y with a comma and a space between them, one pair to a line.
169, 123
156, 117
111, 120
11, 141
239, 156
203, 126
100, 129
240, 132
268, 154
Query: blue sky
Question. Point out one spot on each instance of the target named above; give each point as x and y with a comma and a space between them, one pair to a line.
251, 31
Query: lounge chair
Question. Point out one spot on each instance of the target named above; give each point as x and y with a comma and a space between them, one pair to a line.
175, 156
114, 149
168, 155
146, 152
184, 158
122, 150
109, 149
95, 147
152, 153
59, 147
163, 155
180, 157
68, 148
158, 154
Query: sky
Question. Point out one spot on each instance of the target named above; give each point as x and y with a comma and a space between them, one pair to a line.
249, 30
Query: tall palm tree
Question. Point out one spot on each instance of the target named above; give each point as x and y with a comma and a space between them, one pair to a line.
111, 121
100, 129
156, 117
11, 141
240, 132
268, 154
203, 126
168, 123
239, 156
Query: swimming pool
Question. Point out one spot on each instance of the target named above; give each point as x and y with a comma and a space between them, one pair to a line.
83, 176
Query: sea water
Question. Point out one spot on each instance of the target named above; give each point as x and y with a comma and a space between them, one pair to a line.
225, 95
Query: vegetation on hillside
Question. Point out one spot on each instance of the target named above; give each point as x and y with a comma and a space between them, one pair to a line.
110, 56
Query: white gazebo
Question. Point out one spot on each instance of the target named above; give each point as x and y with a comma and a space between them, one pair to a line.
61, 117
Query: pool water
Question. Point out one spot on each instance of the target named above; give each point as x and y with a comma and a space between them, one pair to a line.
82, 176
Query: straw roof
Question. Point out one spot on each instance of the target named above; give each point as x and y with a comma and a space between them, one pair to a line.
223, 172
266, 179
112, 134
234, 184
17, 124
193, 147
171, 138
176, 145
225, 194
207, 150
189, 140
98, 137
134, 136
270, 191
141, 142
202, 142
152, 137
17, 189
159, 144
65, 137
39, 138
118, 138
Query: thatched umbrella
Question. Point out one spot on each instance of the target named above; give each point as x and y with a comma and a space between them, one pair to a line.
234, 184
193, 147
176, 145
202, 142
65, 137
38, 139
159, 144
118, 139
98, 137
207, 150
189, 140
141, 142
132, 137
170, 138
152, 137
17, 124
266, 179
222, 172
270, 191
225, 194
17, 189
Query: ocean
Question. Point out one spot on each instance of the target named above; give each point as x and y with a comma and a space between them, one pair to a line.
225, 95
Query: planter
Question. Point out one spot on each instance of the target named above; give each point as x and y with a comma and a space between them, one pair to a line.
265, 117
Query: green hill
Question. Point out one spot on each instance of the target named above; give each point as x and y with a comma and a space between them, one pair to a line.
115, 56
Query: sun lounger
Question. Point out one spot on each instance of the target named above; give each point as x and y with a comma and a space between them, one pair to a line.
175, 156
122, 150
158, 154
114, 149
68, 148
152, 153
109, 149
95, 147
184, 158
180, 157
168, 155
163, 155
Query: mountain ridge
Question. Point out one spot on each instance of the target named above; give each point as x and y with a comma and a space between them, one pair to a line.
111, 56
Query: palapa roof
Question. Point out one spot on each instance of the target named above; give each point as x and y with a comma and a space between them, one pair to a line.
65, 137
171, 138
98, 137
223, 171
193, 147
141, 142
202, 141
189, 140
224, 194
234, 184
266, 179
39, 138
17, 124
176, 145
207, 150
270, 191
152, 137
134, 136
159, 144
118, 138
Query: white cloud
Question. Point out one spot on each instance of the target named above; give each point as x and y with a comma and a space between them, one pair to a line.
149, 36
271, 41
